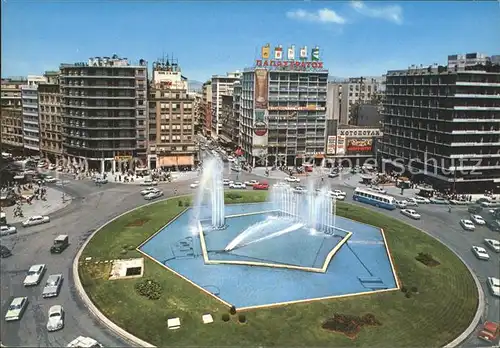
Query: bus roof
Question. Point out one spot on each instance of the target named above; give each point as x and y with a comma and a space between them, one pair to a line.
360, 189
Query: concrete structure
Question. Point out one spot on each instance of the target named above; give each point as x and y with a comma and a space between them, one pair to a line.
31, 121
444, 125
333, 101
11, 123
230, 130
172, 118
291, 129
495, 59
104, 111
49, 109
469, 59
221, 85
206, 105
235, 120
369, 116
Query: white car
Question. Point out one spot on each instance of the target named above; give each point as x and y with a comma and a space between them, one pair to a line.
467, 225
339, 193
494, 285
35, 275
5, 230
292, 179
195, 184
153, 195
493, 244
36, 220
149, 182
251, 182
149, 190
411, 202
16, 308
411, 214
335, 194
52, 166
50, 179
477, 219
480, 253
226, 182
237, 185
401, 204
378, 189
299, 189
84, 342
52, 286
56, 318
422, 200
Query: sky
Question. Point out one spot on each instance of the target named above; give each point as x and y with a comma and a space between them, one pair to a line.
209, 37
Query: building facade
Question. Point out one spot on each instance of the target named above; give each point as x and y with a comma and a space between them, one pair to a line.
236, 116
103, 112
11, 124
49, 109
31, 120
358, 91
221, 85
283, 108
443, 126
469, 59
171, 134
206, 101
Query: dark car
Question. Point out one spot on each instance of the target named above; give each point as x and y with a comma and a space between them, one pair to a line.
61, 242
4, 252
475, 209
493, 225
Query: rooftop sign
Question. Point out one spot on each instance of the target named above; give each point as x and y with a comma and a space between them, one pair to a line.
275, 59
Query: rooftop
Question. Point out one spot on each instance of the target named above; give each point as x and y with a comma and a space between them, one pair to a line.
113, 61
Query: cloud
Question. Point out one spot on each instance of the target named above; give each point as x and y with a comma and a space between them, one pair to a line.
324, 15
392, 13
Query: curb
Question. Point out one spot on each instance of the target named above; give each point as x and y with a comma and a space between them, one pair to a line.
88, 302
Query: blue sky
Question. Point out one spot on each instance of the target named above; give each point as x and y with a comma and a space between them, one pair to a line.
356, 38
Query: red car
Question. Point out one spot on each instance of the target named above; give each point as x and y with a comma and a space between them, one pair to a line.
489, 332
261, 186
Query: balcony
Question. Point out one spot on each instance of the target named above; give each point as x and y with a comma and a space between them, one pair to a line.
100, 107
87, 76
128, 97
64, 85
99, 147
86, 118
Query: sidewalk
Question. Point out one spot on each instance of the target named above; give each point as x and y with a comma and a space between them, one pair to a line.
176, 176
280, 175
38, 207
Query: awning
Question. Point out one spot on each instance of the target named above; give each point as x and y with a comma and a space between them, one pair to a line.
167, 161
185, 160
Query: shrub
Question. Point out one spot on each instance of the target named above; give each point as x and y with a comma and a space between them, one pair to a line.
414, 289
149, 288
408, 294
179, 203
404, 289
427, 259
233, 195
369, 319
242, 318
186, 203
232, 310
225, 317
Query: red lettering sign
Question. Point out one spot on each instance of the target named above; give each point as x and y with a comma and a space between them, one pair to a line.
299, 65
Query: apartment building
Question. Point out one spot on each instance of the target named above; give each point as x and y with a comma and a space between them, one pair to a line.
443, 125
206, 102
236, 114
104, 112
171, 119
11, 124
227, 118
31, 121
49, 109
221, 85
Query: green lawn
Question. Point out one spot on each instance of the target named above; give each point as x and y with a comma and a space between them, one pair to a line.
444, 307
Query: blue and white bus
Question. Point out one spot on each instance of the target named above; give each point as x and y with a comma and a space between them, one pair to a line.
374, 198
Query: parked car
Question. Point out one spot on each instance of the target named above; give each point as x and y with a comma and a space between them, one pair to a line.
153, 195
226, 182
52, 286
148, 190
480, 253
377, 189
55, 318
292, 179
36, 220
84, 342
251, 182
237, 185
149, 182
339, 192
261, 186
16, 308
333, 174
4, 252
35, 275
493, 244
195, 184
411, 214
475, 209
50, 179
60, 244
438, 200
422, 200
477, 219
489, 332
493, 225
411, 202
467, 225
494, 286
5, 230
401, 204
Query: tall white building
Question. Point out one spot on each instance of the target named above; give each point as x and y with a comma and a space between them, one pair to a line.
221, 85
31, 129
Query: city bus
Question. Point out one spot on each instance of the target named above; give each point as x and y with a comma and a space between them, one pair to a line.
374, 198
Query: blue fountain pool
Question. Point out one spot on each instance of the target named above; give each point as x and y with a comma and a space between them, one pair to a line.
361, 265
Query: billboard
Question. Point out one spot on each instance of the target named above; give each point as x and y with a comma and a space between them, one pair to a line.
359, 145
331, 144
340, 148
278, 58
261, 89
260, 133
359, 132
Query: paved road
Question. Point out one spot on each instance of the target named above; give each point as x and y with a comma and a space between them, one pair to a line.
93, 206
